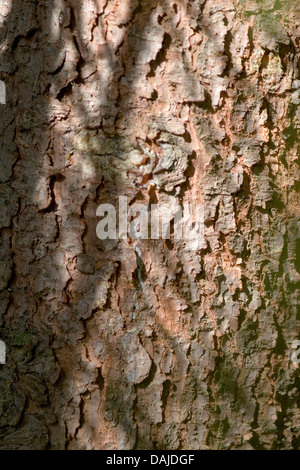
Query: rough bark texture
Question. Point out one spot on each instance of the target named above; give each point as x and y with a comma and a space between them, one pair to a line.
149, 345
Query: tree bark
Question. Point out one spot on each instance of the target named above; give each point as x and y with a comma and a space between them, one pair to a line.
149, 344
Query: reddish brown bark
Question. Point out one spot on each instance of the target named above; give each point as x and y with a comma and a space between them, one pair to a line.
163, 102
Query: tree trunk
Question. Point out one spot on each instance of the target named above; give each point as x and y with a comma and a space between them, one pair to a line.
152, 343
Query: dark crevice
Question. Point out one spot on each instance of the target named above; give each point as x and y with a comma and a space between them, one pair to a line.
229, 65
64, 92
167, 386
100, 379
53, 206
161, 55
